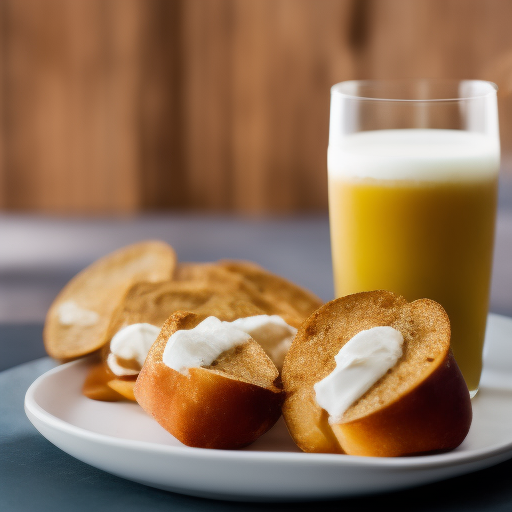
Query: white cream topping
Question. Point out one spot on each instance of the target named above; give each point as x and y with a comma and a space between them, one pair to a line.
131, 343
416, 154
360, 363
200, 346
70, 313
271, 332
204, 343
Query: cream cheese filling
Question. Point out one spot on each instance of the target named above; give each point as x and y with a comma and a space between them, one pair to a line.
204, 343
360, 363
131, 343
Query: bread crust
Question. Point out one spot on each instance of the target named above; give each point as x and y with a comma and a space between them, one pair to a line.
206, 408
412, 425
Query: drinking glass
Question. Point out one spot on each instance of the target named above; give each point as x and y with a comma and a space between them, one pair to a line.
413, 172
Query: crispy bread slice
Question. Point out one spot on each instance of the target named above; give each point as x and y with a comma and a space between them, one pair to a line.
275, 288
421, 405
226, 405
153, 303
97, 291
270, 293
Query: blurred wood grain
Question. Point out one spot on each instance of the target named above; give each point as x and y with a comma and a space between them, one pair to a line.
118, 106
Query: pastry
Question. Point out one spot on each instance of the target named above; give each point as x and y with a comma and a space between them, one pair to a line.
209, 396
420, 404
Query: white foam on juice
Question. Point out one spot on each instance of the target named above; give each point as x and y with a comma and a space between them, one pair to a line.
415, 154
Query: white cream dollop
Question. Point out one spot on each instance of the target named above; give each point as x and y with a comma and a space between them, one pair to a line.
271, 332
360, 363
131, 343
200, 346
70, 313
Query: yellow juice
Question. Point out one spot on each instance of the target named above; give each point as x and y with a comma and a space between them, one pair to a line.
420, 230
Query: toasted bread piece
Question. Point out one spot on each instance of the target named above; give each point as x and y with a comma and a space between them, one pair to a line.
203, 273
421, 405
93, 295
275, 288
226, 405
153, 303
270, 293
96, 385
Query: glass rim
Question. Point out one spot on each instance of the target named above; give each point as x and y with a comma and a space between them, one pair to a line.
338, 89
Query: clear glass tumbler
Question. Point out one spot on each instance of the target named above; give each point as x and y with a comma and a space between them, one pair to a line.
413, 173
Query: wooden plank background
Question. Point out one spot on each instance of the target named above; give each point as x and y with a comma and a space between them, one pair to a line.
116, 106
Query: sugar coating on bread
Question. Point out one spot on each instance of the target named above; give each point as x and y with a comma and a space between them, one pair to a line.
236, 286
426, 353
206, 289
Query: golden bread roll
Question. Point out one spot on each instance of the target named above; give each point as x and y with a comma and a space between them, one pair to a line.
420, 405
226, 405
78, 320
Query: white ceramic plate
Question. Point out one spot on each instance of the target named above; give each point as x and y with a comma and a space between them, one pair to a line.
121, 439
